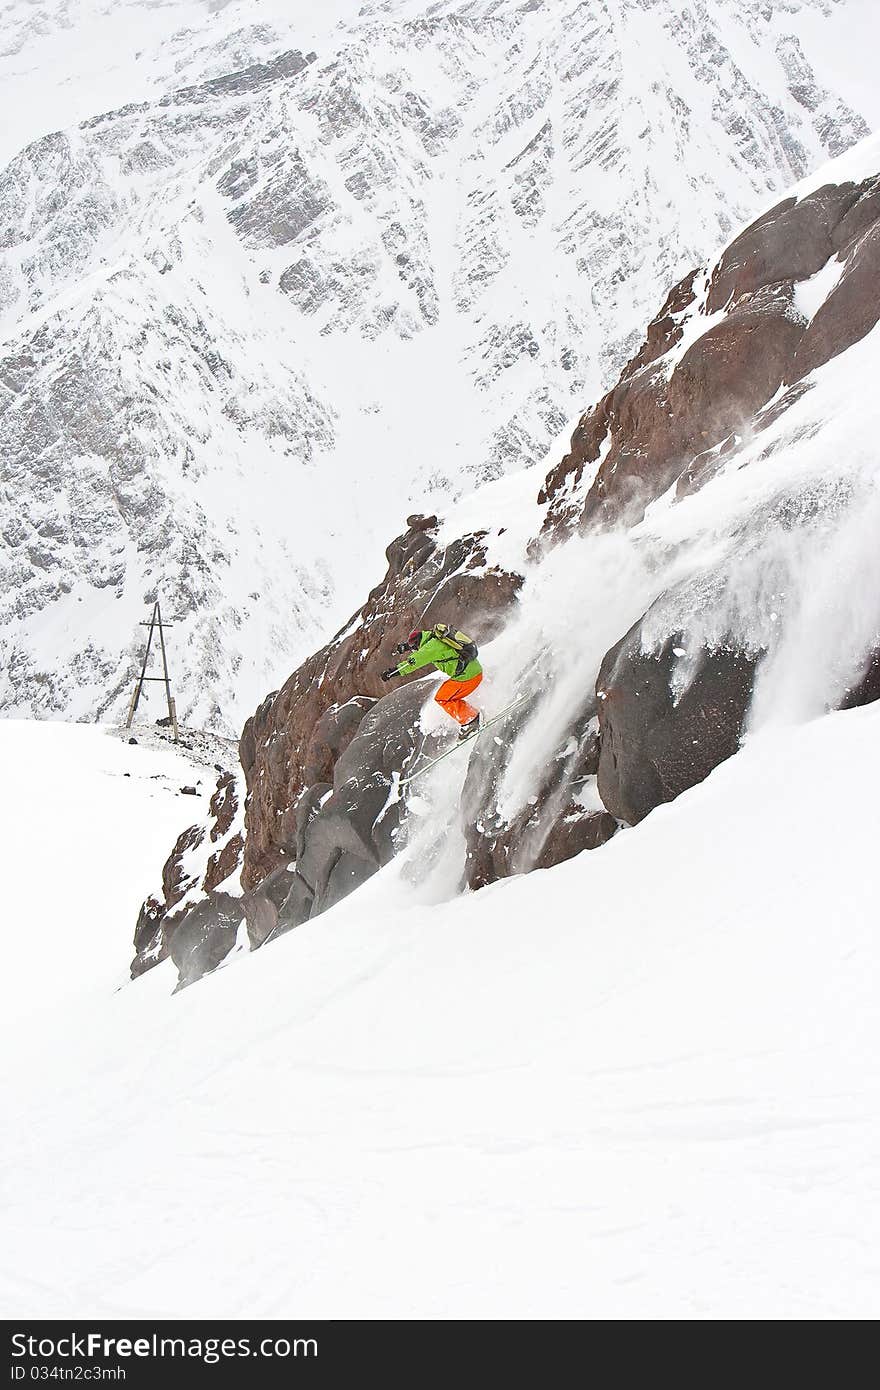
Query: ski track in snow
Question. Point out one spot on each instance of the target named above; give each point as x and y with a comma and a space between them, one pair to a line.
641, 1084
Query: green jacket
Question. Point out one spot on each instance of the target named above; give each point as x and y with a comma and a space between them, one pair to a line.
433, 652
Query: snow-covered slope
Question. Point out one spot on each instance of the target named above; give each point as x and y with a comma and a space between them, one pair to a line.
312, 273
641, 1084
85, 823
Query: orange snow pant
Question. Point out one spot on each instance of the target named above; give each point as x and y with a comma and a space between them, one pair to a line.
450, 697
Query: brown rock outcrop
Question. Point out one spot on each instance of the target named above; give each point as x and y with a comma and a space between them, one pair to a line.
563, 481
150, 945
319, 759
160, 919
296, 736
666, 416
850, 311
793, 241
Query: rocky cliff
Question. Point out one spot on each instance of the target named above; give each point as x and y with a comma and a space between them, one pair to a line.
702, 559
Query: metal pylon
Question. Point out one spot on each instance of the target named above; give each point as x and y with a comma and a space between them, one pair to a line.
155, 624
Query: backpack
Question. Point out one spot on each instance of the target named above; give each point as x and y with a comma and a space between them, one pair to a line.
459, 642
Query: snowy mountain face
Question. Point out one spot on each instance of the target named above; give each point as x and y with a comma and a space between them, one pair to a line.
279, 279
702, 563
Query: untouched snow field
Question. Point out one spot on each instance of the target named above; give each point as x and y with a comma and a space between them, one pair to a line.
86, 823
642, 1084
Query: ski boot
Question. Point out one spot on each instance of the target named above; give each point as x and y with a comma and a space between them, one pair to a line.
472, 727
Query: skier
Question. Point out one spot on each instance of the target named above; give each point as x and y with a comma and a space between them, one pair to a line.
455, 655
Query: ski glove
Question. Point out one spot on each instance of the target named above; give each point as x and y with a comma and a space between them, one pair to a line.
390, 673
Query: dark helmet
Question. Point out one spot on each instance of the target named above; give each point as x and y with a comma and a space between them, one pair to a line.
414, 638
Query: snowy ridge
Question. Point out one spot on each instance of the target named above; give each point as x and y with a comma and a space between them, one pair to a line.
772, 554
298, 263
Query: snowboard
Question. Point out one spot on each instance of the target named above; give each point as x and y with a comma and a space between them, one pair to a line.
463, 742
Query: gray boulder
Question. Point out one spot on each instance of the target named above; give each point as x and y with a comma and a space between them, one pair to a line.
344, 837
557, 822
205, 936
654, 745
